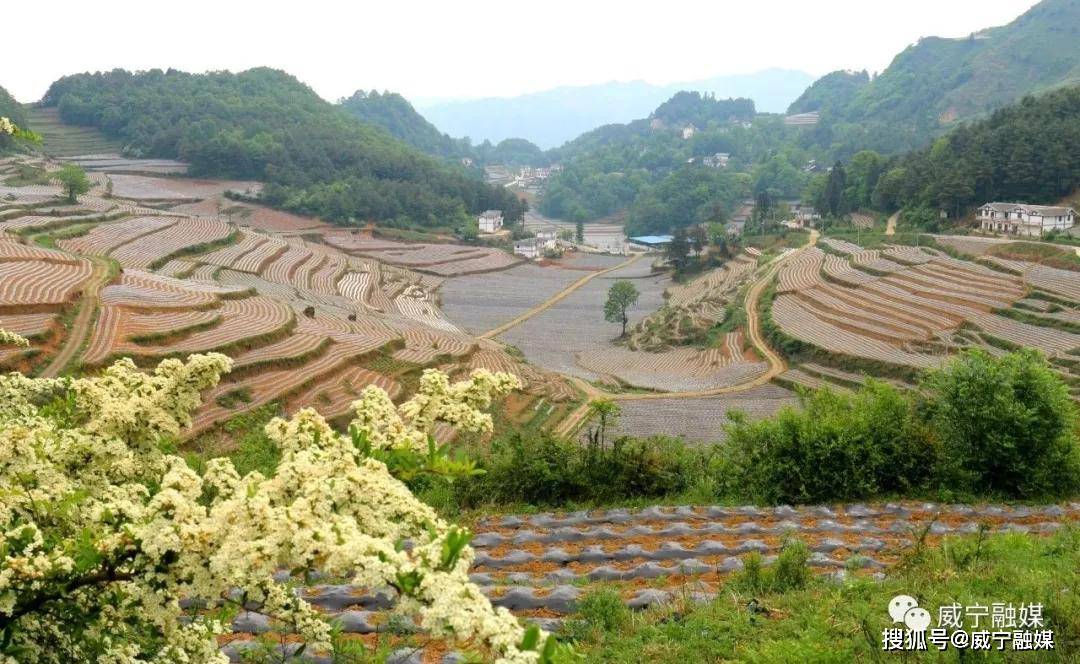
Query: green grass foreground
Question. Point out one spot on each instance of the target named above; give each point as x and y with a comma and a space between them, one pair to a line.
830, 621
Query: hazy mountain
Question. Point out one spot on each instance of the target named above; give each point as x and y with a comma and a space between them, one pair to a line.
937, 82
396, 115
554, 116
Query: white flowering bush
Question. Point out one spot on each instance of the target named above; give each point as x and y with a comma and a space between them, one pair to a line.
7, 126
102, 534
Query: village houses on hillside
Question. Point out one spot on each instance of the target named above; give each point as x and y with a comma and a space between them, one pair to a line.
1023, 219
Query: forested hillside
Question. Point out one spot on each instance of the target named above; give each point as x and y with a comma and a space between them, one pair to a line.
935, 83
11, 109
265, 124
397, 116
1026, 152
647, 166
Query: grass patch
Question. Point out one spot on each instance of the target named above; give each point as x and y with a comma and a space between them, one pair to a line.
27, 175
234, 398
242, 439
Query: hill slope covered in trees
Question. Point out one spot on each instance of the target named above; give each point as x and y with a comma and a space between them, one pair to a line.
935, 83
397, 116
1029, 151
265, 124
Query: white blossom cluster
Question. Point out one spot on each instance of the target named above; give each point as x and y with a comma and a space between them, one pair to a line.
7, 126
102, 533
10, 338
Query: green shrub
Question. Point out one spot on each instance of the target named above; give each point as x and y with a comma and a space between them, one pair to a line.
599, 610
836, 447
540, 469
1007, 425
790, 571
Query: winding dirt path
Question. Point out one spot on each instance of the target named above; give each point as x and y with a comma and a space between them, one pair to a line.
556, 298
777, 365
80, 328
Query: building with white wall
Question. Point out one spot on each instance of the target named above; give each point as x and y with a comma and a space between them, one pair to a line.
1024, 219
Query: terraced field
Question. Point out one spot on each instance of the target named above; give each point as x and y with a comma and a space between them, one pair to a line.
910, 306
698, 419
441, 259
64, 140
301, 317
694, 307
540, 565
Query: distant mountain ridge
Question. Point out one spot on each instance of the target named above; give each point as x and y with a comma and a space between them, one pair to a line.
552, 117
932, 85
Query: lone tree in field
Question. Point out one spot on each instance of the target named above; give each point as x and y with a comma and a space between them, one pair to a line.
579, 232
74, 181
621, 296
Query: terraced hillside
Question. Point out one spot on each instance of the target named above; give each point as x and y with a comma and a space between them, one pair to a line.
539, 566
900, 309
64, 140
305, 322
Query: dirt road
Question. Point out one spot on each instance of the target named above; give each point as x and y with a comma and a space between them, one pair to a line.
80, 328
777, 365
556, 298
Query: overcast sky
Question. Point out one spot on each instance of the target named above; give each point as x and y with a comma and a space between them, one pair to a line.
485, 48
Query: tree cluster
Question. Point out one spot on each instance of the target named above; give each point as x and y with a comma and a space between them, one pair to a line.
264, 124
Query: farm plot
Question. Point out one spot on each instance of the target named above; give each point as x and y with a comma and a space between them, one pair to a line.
36, 282
693, 308
141, 187
103, 238
1047, 339
802, 271
256, 260
266, 386
802, 323
262, 218
872, 261
482, 302
554, 338
839, 269
581, 260
700, 419
676, 370
442, 259
907, 317
540, 566
416, 304
227, 256
144, 251
334, 395
842, 246
28, 325
1065, 283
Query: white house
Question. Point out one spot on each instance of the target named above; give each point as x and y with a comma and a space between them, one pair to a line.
530, 248
547, 238
491, 221
1023, 219
805, 215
